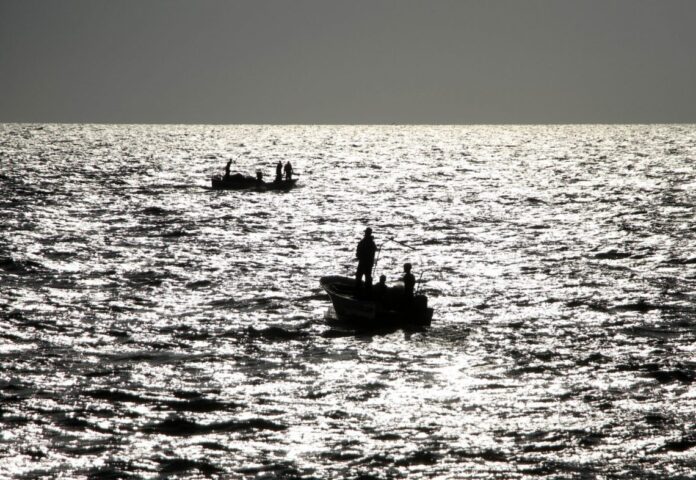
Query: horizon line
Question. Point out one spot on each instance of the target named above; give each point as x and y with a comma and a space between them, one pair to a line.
356, 124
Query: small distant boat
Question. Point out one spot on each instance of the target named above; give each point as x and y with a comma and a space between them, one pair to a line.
366, 311
242, 182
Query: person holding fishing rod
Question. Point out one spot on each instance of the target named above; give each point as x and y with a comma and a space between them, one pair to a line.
365, 253
408, 279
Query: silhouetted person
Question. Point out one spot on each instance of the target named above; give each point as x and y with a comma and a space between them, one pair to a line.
381, 287
259, 176
288, 171
279, 171
365, 254
409, 282
227, 168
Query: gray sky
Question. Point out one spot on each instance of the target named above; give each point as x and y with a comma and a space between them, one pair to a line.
348, 61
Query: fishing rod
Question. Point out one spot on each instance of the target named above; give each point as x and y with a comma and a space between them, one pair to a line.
419, 283
374, 266
402, 244
420, 277
379, 251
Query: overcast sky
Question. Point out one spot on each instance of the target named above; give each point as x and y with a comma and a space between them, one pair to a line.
348, 61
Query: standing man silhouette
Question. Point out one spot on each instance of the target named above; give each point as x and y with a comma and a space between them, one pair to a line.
365, 254
279, 171
288, 171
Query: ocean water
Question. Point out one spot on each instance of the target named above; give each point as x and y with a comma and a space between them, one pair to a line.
151, 327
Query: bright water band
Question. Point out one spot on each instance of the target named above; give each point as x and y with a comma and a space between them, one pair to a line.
153, 326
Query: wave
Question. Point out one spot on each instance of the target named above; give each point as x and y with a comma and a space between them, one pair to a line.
199, 284
612, 255
276, 334
172, 466
9, 264
178, 426
156, 211
641, 306
199, 405
145, 278
191, 405
681, 445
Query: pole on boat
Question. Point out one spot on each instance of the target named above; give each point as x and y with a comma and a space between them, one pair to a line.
420, 277
374, 266
419, 284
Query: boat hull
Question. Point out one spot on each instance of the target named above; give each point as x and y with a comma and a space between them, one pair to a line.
363, 310
244, 182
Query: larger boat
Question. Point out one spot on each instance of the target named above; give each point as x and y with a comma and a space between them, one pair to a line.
242, 182
370, 309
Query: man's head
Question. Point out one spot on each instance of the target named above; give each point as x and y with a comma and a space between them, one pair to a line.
368, 232
382, 278
407, 267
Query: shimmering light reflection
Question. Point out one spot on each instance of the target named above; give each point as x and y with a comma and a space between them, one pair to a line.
153, 327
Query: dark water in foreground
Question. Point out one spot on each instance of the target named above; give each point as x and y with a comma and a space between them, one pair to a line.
151, 327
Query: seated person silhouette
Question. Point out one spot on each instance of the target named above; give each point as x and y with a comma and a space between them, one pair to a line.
409, 283
380, 290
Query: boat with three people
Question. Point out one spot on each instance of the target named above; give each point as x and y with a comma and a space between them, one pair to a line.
239, 181
358, 307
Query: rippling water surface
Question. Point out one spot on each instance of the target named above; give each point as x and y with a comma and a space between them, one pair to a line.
150, 326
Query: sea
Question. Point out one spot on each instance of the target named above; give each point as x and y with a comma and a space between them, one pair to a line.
151, 327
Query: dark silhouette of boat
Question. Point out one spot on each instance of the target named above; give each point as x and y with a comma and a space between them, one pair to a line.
242, 182
369, 310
